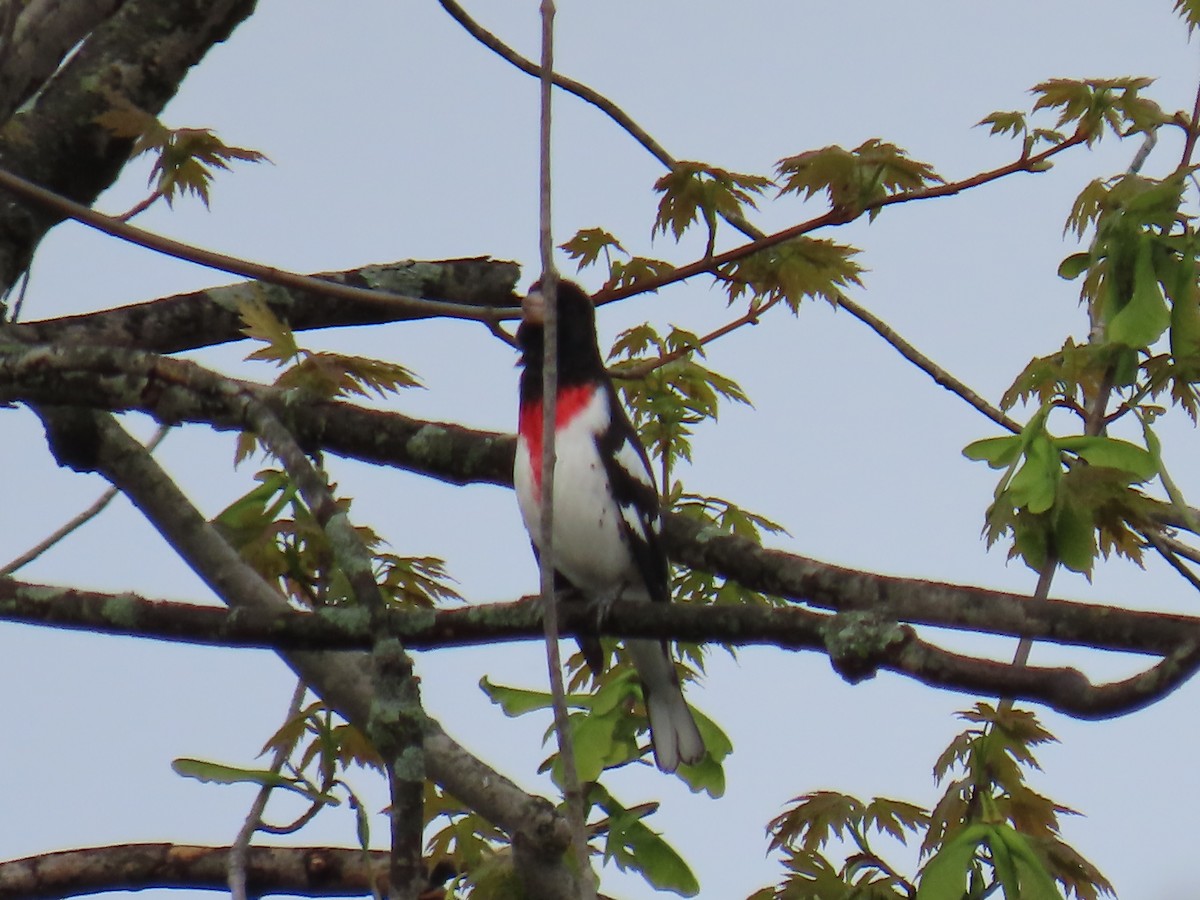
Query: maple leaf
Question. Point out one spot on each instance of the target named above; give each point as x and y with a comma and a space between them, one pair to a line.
587, 245
187, 158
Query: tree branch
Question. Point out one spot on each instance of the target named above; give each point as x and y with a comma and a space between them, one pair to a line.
89, 441
408, 307
299, 871
174, 391
42, 35
859, 643
138, 56
760, 240
205, 318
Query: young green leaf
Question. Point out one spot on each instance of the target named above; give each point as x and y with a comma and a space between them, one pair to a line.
1101, 450
1074, 266
944, 877
695, 191
997, 452
1141, 321
587, 245
216, 773
633, 846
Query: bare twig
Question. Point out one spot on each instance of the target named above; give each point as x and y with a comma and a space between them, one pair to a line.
566, 749
644, 367
1173, 544
1193, 133
582, 91
83, 518
639, 134
1167, 552
926, 365
239, 852
31, 192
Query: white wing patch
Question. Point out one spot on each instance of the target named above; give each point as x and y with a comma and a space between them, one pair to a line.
628, 458
633, 518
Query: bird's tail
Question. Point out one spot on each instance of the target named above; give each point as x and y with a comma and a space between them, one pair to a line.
673, 731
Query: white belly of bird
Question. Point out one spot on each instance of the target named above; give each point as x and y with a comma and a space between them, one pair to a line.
589, 544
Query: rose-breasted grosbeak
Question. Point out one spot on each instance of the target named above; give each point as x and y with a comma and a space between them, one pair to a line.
606, 510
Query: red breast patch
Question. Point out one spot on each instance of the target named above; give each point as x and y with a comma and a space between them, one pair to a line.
571, 402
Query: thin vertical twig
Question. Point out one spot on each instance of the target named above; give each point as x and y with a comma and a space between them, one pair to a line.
1094, 422
240, 851
80, 520
566, 750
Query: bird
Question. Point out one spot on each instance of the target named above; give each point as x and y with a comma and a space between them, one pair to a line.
607, 519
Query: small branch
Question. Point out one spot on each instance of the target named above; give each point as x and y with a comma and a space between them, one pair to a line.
208, 317
926, 365
759, 240
1025, 644
291, 871
239, 853
582, 91
859, 643
31, 192
1167, 552
839, 216
1193, 132
1173, 544
80, 520
644, 367
572, 793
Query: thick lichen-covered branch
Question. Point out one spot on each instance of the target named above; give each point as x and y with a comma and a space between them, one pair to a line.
176, 391
136, 58
858, 643
209, 317
294, 871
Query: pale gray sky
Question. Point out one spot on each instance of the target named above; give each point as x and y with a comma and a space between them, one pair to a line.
394, 135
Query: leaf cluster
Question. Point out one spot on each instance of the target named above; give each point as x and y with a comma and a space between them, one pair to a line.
697, 192
990, 827
609, 731
792, 270
1068, 498
279, 537
814, 821
624, 270
854, 180
1076, 497
1094, 105
186, 159
668, 402
989, 834
314, 749
314, 375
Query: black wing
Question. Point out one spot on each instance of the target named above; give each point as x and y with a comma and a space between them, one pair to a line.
632, 482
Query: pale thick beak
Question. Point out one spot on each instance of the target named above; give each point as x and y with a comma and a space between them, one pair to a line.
533, 308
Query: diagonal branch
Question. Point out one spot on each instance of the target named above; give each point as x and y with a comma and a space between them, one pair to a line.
404, 306
204, 318
760, 240
89, 441
294, 871
136, 57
